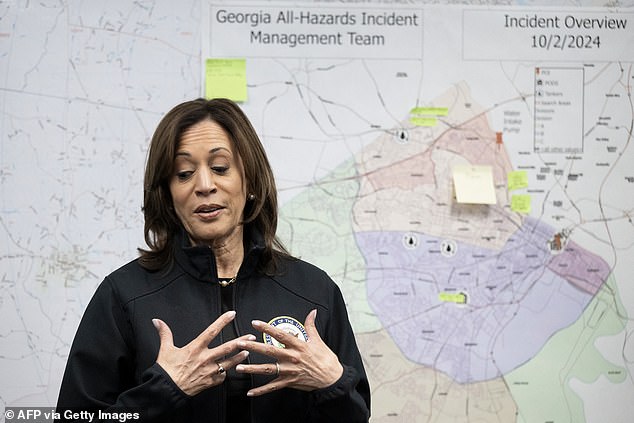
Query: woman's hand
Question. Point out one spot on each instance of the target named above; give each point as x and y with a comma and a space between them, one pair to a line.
301, 365
196, 367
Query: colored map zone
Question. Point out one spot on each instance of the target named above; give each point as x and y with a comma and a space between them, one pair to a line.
516, 298
473, 291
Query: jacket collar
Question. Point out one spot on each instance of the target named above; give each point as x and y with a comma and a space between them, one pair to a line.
200, 262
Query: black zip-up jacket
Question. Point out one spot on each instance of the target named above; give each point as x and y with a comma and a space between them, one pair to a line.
112, 361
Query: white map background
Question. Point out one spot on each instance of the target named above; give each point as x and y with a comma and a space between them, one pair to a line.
84, 84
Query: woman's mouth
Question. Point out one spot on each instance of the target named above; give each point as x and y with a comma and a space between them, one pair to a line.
208, 211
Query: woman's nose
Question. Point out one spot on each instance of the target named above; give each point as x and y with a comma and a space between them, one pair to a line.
205, 183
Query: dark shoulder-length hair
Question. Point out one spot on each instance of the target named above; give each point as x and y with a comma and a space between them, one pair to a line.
161, 222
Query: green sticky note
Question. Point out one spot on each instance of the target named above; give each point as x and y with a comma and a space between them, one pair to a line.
430, 111
226, 78
521, 203
450, 297
423, 121
426, 116
517, 180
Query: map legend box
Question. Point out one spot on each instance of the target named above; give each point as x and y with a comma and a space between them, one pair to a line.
558, 118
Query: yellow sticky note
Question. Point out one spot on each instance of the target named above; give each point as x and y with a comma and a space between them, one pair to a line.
430, 111
427, 116
450, 297
423, 121
517, 180
521, 203
226, 78
474, 184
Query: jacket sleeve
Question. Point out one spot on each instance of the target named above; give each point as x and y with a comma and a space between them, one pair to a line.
348, 399
100, 372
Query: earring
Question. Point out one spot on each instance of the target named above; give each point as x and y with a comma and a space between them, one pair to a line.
251, 197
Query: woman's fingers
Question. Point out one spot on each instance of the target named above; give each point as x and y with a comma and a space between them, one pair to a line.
196, 367
165, 334
301, 365
259, 369
233, 361
309, 325
210, 333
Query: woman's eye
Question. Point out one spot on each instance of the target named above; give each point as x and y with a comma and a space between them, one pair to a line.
184, 175
220, 169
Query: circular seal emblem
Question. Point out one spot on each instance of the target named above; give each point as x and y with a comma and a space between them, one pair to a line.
289, 325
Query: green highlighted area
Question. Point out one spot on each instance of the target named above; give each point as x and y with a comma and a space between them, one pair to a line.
569, 355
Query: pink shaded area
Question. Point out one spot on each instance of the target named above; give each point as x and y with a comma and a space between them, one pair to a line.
406, 174
475, 141
581, 268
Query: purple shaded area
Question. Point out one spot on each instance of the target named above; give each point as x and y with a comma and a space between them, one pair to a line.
584, 270
515, 301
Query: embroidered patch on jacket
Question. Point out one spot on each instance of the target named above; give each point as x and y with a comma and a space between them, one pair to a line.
289, 325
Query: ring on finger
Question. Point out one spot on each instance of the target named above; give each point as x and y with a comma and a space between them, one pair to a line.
277, 368
221, 369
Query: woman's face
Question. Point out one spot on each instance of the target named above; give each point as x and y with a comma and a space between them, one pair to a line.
208, 186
